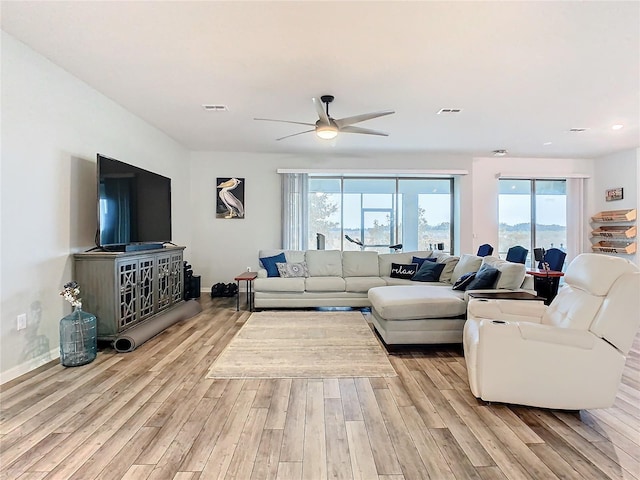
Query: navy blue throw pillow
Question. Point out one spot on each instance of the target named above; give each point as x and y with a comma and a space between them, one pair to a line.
485, 278
463, 282
420, 261
269, 263
429, 272
403, 270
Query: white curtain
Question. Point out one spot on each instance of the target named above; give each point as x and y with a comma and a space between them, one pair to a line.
294, 211
575, 217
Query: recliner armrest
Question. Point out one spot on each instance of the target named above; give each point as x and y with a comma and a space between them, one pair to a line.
509, 310
569, 337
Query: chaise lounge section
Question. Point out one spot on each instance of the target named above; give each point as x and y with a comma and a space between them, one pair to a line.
436, 313
403, 310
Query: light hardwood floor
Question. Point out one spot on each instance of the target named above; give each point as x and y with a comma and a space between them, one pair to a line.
152, 414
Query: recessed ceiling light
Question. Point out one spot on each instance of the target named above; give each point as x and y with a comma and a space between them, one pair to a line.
210, 107
547, 143
499, 153
449, 110
616, 127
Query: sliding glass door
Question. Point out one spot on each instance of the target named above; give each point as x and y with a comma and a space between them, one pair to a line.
379, 212
532, 213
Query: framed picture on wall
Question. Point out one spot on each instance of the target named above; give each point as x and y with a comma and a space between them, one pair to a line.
230, 197
614, 194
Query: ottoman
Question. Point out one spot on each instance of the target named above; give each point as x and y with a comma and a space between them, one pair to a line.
416, 314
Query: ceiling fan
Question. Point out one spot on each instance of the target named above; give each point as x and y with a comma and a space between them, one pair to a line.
328, 128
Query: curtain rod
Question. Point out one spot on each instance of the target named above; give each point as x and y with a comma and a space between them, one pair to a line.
364, 171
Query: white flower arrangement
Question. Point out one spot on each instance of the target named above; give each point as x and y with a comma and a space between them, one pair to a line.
71, 294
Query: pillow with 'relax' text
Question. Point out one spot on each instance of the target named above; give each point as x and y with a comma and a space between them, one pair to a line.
403, 270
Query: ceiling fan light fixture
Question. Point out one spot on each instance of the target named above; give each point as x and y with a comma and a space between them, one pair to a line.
326, 132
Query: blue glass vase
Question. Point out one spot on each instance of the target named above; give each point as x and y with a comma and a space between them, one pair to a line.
78, 339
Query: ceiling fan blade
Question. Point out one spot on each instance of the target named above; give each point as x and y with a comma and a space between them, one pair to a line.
324, 118
367, 131
285, 121
343, 122
294, 134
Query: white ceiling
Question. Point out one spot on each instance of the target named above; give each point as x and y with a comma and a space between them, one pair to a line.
524, 73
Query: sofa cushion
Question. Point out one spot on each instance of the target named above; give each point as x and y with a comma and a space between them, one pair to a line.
360, 264
277, 284
429, 272
269, 263
292, 256
511, 274
325, 284
485, 278
450, 264
403, 270
324, 263
291, 270
363, 284
417, 301
467, 263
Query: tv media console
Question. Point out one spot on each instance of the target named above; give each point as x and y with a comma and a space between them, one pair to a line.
124, 289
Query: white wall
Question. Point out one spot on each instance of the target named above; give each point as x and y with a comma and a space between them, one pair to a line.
618, 170
52, 127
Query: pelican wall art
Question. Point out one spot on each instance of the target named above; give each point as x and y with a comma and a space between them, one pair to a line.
230, 199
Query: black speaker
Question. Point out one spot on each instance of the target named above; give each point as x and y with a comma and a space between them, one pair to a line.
194, 286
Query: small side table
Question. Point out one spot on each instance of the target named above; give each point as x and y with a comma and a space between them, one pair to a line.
546, 283
248, 277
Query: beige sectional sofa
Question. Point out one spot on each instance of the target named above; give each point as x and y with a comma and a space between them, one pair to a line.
336, 279
403, 311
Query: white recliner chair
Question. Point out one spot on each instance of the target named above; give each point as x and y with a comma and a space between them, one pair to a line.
569, 355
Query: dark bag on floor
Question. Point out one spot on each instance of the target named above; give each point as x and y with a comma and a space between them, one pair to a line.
217, 290
230, 290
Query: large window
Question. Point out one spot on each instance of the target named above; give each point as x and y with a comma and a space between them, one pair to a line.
380, 212
533, 214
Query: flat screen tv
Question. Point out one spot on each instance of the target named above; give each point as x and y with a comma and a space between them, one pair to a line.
134, 205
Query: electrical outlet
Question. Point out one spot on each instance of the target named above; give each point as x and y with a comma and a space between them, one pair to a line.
22, 321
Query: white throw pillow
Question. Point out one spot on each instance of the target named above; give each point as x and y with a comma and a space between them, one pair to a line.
511, 274
468, 263
450, 263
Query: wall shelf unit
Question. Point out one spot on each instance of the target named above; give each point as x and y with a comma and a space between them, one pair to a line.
628, 215
616, 231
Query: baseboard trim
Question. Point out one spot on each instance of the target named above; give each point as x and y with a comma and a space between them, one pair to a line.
26, 367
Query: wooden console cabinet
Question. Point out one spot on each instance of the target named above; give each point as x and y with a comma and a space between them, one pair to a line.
123, 289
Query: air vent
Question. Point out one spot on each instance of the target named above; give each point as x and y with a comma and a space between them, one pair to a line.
215, 108
577, 130
449, 110
499, 153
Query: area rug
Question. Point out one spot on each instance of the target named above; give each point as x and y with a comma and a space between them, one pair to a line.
303, 345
